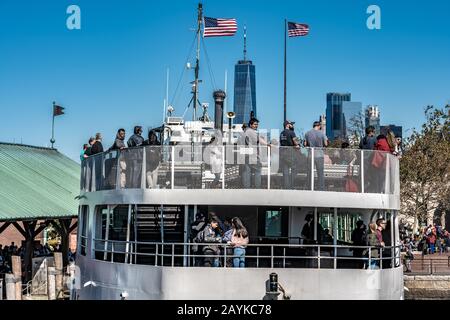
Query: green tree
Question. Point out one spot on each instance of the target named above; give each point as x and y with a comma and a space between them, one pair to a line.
425, 167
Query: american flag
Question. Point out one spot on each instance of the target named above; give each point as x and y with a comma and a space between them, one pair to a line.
297, 29
219, 27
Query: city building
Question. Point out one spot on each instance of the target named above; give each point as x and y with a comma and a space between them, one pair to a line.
398, 130
334, 114
244, 87
372, 118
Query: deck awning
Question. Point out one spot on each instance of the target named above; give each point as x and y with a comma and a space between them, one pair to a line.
37, 183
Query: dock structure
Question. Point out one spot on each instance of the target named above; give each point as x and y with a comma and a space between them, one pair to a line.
38, 190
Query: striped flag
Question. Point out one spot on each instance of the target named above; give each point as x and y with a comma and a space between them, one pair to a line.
297, 29
219, 27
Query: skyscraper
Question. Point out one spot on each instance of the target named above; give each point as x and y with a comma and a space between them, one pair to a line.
372, 118
244, 87
335, 118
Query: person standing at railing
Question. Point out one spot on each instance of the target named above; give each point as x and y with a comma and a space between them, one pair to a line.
97, 148
289, 145
252, 167
374, 244
368, 143
315, 138
135, 158
152, 158
239, 242
359, 238
119, 144
384, 143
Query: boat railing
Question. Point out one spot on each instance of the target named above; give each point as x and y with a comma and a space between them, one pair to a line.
323, 256
242, 167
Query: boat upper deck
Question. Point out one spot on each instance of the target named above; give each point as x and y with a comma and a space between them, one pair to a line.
193, 174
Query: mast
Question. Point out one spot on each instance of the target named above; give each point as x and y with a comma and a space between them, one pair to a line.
285, 41
245, 43
197, 63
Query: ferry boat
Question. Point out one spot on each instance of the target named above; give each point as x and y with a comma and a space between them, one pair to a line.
137, 206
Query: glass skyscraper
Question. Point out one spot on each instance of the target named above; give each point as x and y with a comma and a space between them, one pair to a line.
244, 91
335, 116
353, 120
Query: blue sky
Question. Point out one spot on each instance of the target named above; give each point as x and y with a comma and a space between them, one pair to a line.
111, 73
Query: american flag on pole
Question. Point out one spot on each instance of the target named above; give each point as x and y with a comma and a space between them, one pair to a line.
219, 27
297, 29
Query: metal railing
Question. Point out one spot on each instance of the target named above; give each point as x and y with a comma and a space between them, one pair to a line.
239, 167
256, 255
425, 266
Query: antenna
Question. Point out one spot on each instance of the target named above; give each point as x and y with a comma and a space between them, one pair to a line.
245, 43
226, 81
166, 100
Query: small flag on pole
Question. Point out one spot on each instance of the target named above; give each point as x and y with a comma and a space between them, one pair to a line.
57, 110
297, 29
219, 27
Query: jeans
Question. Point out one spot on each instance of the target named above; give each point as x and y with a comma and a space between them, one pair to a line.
287, 175
373, 264
431, 248
248, 170
239, 258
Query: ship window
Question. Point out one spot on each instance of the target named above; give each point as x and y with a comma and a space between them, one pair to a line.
83, 216
346, 223
273, 226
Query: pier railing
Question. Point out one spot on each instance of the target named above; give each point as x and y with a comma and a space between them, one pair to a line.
241, 167
256, 255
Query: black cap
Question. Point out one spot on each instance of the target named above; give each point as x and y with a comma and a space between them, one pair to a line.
288, 122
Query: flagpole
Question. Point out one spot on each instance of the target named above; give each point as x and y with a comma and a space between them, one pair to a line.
52, 140
285, 44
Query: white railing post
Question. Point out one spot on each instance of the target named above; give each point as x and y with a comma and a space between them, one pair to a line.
225, 256
173, 168
144, 168
223, 166
361, 167
271, 257
387, 179
156, 254
118, 187
318, 257
173, 254
312, 169
268, 166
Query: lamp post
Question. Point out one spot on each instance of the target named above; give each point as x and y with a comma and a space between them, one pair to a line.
230, 115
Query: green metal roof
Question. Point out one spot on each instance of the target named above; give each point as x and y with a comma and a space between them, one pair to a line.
37, 183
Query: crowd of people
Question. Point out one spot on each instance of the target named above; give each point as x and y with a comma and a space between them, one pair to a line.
39, 250
250, 170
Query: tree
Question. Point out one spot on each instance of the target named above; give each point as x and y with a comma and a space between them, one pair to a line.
355, 130
425, 167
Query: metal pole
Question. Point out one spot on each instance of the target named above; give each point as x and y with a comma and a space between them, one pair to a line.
312, 169
53, 125
186, 235
173, 168
105, 253
335, 227
268, 166
285, 62
127, 246
197, 65
361, 167
223, 165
